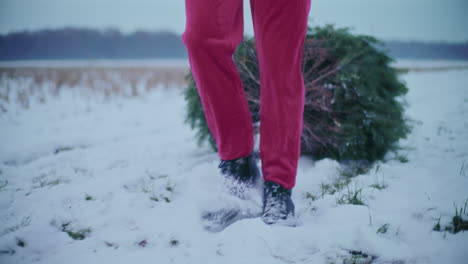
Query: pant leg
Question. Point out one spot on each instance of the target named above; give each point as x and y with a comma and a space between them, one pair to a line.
214, 28
280, 28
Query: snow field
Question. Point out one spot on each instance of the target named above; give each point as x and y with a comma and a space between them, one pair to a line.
127, 175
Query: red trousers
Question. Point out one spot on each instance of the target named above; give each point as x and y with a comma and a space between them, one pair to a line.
214, 28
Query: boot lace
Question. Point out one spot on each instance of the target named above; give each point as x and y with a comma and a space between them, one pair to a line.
276, 201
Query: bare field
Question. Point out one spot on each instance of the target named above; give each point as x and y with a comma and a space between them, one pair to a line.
93, 77
21, 83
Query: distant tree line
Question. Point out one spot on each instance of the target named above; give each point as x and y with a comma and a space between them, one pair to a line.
428, 50
82, 43
78, 43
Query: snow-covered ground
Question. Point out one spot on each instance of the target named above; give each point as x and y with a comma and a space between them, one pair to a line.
411, 63
128, 175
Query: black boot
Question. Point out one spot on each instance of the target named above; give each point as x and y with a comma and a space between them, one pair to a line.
278, 208
241, 176
240, 173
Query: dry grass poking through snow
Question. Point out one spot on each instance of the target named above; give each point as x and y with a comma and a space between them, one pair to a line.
21, 84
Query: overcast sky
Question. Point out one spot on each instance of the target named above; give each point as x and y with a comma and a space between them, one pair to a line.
426, 20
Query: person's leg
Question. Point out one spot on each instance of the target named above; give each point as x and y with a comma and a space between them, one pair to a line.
214, 29
280, 28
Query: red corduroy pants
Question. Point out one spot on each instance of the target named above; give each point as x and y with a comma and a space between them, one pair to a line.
214, 28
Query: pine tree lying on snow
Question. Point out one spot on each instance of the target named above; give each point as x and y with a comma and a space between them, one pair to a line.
353, 109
